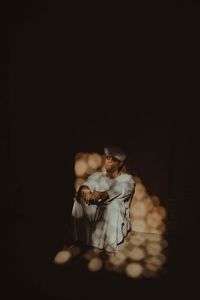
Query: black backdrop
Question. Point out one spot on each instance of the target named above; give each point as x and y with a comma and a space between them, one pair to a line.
73, 88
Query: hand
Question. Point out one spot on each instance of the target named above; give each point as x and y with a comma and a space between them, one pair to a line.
96, 196
86, 194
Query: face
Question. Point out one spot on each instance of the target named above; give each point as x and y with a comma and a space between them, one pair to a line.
112, 164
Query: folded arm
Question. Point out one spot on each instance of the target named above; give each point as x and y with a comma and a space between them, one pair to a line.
122, 189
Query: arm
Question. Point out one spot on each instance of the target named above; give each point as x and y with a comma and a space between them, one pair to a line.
124, 189
85, 191
100, 196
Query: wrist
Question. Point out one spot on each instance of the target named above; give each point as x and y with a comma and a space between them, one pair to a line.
104, 196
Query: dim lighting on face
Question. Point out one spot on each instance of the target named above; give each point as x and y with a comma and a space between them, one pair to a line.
140, 254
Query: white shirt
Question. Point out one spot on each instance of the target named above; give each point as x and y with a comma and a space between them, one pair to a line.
105, 224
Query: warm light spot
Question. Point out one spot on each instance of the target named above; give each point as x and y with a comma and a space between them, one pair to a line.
152, 267
154, 230
136, 254
162, 211
162, 258
154, 219
138, 209
124, 245
140, 191
153, 248
80, 167
140, 188
154, 237
139, 225
149, 203
143, 244
95, 264
138, 239
118, 259
134, 270
81, 155
62, 257
154, 260
94, 161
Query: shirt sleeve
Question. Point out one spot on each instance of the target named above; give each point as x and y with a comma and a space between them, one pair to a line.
123, 189
91, 182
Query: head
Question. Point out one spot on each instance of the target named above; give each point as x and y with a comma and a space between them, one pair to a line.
114, 159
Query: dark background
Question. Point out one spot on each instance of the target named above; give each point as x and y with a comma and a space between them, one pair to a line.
72, 83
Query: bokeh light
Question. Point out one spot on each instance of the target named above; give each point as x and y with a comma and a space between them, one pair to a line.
134, 270
62, 257
95, 264
65, 256
143, 251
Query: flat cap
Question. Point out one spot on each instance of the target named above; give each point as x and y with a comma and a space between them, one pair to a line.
115, 152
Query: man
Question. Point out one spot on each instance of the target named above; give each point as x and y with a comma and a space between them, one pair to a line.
100, 212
